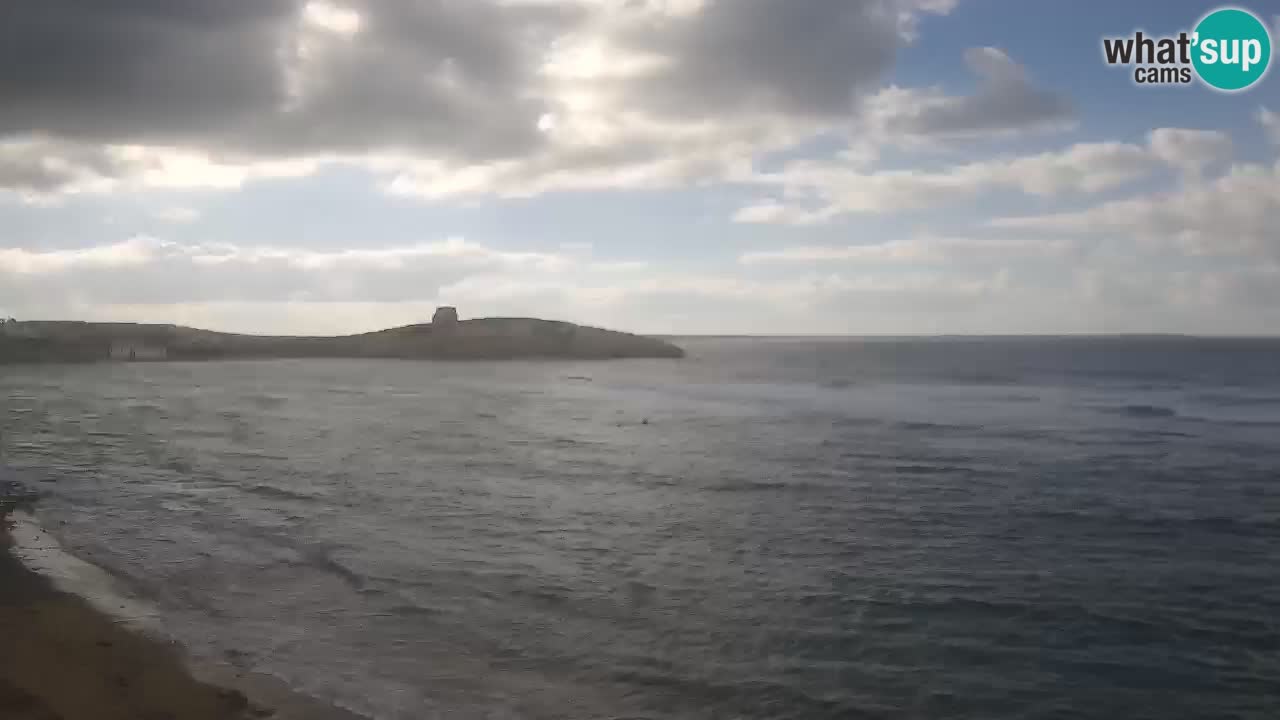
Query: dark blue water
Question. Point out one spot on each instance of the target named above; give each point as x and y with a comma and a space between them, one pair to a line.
1020, 528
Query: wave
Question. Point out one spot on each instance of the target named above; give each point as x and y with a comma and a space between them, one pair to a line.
278, 493
919, 469
1234, 422
267, 402
743, 694
1223, 400
13, 492
1018, 398
982, 378
143, 406
1142, 411
749, 485
322, 558
855, 422
916, 426
43, 554
1174, 523
764, 486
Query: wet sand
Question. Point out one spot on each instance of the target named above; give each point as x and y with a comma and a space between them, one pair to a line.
60, 659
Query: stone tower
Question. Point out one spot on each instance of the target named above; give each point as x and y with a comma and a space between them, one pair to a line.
445, 320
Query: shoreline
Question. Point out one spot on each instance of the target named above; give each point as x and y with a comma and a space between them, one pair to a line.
63, 659
445, 338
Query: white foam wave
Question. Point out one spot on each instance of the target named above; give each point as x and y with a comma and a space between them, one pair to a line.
41, 552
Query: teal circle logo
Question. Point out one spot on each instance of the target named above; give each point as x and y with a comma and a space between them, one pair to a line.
1231, 49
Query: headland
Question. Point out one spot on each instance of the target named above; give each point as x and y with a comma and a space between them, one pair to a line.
444, 338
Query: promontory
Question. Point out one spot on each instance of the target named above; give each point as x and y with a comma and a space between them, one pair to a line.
444, 338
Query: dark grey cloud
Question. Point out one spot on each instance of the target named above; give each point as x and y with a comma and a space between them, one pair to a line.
439, 74
26, 167
1006, 100
447, 76
810, 57
436, 84
455, 77
132, 70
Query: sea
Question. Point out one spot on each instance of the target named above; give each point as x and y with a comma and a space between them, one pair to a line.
984, 528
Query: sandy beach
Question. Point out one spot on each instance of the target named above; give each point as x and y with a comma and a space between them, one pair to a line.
64, 660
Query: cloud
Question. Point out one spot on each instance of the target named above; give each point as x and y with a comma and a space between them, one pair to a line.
272, 77
915, 251
771, 211
1234, 214
643, 124
936, 284
1007, 101
281, 289
177, 214
149, 271
1190, 151
1270, 125
39, 167
153, 70
131, 253
822, 190
654, 94
801, 57
499, 97
239, 84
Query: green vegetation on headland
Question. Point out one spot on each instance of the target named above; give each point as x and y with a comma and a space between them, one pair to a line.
445, 338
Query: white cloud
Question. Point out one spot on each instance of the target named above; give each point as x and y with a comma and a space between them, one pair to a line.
1270, 124
825, 190
177, 214
332, 18
276, 289
142, 270
935, 284
772, 211
1007, 102
919, 251
130, 253
1190, 151
41, 168
1236, 213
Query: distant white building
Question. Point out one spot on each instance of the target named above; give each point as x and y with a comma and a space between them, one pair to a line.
135, 350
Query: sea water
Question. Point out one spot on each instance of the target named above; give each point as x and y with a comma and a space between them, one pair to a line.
785, 528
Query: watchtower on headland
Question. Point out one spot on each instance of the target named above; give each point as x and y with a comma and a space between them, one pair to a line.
445, 320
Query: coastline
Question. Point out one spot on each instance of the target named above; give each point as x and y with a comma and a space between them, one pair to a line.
63, 659
445, 338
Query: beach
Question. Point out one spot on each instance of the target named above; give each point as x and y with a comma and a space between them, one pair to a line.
66, 660
63, 659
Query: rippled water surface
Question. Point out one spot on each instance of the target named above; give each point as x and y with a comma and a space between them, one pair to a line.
769, 529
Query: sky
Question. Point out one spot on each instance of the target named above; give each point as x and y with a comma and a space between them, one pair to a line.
657, 166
